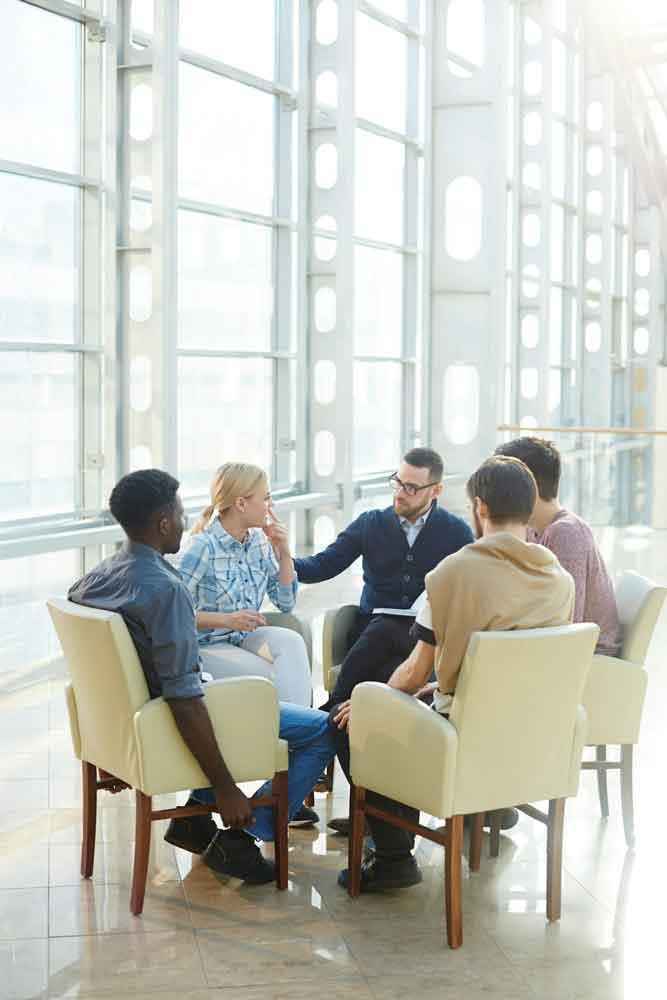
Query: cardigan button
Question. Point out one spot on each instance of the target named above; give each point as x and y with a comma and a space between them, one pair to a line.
405, 599
409, 557
407, 578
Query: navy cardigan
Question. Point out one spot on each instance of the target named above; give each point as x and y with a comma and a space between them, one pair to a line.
393, 572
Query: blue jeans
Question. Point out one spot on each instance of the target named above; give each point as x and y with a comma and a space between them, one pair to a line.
311, 746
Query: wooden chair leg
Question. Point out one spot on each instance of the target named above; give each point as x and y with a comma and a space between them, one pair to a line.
453, 849
142, 847
627, 801
89, 791
331, 768
356, 841
495, 821
280, 828
309, 800
555, 857
601, 757
475, 853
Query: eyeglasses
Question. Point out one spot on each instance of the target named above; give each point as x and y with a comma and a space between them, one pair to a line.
397, 485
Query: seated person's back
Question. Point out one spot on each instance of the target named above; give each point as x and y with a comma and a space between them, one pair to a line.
571, 540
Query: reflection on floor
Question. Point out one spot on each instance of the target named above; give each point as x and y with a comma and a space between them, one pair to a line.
201, 937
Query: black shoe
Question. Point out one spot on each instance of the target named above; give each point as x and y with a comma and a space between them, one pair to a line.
377, 875
343, 825
193, 833
235, 853
340, 824
304, 816
510, 818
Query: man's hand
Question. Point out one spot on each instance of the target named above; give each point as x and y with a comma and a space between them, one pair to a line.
342, 716
276, 532
234, 807
426, 693
243, 621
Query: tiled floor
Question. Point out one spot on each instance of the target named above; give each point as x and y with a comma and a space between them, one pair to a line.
202, 938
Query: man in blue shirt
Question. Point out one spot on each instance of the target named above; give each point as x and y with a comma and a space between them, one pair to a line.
139, 584
398, 546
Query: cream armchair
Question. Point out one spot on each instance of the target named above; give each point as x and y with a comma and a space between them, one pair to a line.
117, 728
336, 628
616, 688
515, 734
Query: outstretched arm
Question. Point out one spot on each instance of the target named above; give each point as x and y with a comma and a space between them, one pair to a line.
335, 558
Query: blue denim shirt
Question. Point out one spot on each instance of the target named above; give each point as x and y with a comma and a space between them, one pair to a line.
156, 606
223, 574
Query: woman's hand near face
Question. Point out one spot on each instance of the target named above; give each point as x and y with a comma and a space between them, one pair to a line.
276, 532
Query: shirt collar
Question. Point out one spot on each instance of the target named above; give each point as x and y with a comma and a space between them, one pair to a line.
139, 550
216, 528
419, 523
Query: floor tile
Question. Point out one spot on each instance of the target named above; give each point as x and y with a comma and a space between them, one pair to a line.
305, 952
77, 910
24, 913
113, 863
24, 969
23, 866
124, 964
24, 765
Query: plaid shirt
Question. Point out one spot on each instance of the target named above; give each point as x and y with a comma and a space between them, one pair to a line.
223, 574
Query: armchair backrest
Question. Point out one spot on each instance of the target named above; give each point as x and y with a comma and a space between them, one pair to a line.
108, 685
639, 601
517, 711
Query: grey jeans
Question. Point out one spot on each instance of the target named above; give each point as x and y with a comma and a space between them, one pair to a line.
277, 653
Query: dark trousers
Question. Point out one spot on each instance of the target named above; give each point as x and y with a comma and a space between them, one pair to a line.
391, 843
377, 646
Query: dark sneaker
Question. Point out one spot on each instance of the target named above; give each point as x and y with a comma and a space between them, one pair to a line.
509, 819
194, 833
378, 875
304, 816
342, 825
235, 853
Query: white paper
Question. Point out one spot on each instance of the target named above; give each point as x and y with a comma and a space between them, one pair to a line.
410, 612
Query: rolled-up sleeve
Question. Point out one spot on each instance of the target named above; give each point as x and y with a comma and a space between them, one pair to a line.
283, 595
174, 648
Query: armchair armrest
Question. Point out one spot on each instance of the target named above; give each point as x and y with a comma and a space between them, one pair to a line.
402, 749
245, 716
336, 628
614, 699
280, 619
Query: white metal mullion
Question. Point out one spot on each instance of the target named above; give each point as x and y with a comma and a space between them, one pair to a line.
219, 68
405, 27
69, 10
225, 212
47, 174
427, 202
409, 331
165, 231
282, 249
387, 133
92, 207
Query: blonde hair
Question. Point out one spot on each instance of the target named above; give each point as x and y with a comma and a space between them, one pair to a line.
231, 481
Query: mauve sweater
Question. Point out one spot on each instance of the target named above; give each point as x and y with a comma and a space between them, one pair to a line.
572, 542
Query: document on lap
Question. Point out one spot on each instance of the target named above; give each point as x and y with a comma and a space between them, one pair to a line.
410, 612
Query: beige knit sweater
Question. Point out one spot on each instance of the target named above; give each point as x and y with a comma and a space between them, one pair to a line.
497, 583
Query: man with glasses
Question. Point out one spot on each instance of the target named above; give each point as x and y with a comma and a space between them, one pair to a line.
398, 546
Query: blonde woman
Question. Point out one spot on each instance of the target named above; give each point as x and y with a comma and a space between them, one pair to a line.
237, 553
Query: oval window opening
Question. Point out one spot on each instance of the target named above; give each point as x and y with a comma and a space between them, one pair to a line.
593, 337
463, 218
325, 453
141, 112
530, 380
325, 310
460, 407
326, 166
326, 22
640, 340
530, 331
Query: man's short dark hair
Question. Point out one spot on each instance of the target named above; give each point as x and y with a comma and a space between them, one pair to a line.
507, 487
426, 458
541, 457
138, 496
